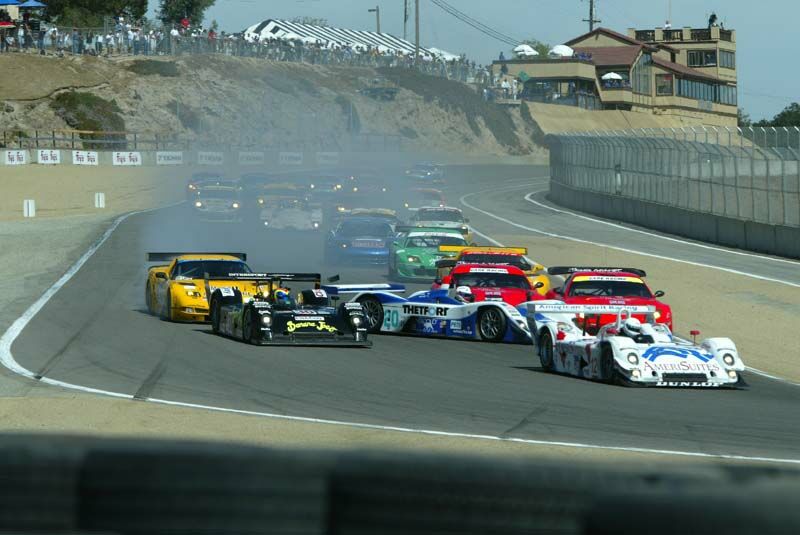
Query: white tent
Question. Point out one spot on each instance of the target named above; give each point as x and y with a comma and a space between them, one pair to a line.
562, 50
444, 54
611, 76
525, 51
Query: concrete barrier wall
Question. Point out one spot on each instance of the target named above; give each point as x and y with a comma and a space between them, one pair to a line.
759, 237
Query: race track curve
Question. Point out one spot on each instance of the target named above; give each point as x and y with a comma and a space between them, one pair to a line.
94, 332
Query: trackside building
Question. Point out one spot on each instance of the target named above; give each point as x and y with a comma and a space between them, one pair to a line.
687, 72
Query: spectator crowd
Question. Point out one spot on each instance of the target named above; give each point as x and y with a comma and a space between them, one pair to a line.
129, 38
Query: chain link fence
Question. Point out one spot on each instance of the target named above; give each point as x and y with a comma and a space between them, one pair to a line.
752, 174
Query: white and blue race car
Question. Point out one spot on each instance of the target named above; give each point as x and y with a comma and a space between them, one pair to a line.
435, 313
628, 351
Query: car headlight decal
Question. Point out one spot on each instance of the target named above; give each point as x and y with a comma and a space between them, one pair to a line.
266, 320
728, 359
633, 359
412, 258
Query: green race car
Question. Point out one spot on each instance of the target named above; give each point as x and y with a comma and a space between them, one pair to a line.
414, 252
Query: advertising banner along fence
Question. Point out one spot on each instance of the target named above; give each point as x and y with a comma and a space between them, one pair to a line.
290, 158
210, 158
84, 157
169, 158
48, 157
126, 158
16, 157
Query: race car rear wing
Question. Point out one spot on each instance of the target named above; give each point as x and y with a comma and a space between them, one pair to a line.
339, 289
541, 312
316, 278
569, 270
482, 249
169, 257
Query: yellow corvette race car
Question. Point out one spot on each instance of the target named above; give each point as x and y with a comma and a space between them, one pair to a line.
513, 256
176, 291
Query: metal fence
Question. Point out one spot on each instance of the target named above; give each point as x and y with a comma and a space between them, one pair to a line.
751, 174
120, 141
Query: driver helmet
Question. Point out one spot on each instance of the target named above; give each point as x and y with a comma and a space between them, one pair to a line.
632, 327
282, 295
465, 294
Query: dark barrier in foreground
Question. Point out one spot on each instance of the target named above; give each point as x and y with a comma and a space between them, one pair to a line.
731, 232
59, 484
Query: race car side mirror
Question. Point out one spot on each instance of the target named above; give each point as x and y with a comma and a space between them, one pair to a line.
659, 293
161, 275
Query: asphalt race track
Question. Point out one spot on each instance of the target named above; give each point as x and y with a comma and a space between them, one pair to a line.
94, 332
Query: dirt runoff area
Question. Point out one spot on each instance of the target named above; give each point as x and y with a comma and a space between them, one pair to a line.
760, 316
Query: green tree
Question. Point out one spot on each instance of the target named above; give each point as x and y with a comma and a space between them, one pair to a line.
790, 116
91, 13
542, 48
744, 119
173, 11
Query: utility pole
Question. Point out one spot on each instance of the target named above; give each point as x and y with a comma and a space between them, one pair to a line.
377, 12
405, 20
416, 32
591, 20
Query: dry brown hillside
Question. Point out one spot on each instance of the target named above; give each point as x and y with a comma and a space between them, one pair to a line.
227, 99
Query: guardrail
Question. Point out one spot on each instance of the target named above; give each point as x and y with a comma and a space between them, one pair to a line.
122, 141
734, 187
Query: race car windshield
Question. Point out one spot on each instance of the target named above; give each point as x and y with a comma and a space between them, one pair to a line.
491, 280
218, 194
440, 215
196, 269
434, 241
365, 228
609, 289
488, 258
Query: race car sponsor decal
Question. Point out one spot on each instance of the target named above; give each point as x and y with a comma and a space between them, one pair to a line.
292, 326
653, 353
320, 293
487, 270
309, 318
306, 311
424, 310
682, 366
226, 292
430, 325
687, 384
353, 306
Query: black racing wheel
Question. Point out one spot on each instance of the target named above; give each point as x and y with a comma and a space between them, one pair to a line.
546, 350
491, 324
373, 311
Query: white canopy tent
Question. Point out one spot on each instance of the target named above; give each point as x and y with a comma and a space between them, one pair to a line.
611, 76
562, 50
286, 30
525, 51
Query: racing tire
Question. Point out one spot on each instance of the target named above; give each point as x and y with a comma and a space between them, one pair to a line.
608, 374
215, 312
492, 324
148, 298
546, 350
166, 309
247, 327
373, 312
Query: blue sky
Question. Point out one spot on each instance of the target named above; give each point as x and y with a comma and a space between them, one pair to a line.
766, 35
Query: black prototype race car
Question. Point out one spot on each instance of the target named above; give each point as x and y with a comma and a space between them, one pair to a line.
274, 317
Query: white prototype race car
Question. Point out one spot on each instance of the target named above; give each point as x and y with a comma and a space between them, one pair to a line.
628, 351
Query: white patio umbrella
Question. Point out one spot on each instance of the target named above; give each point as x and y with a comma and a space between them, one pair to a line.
611, 76
524, 51
561, 50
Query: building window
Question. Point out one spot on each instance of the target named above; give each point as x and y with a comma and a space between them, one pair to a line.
701, 58
640, 75
727, 59
707, 92
664, 84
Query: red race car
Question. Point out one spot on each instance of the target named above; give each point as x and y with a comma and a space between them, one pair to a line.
609, 286
486, 282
